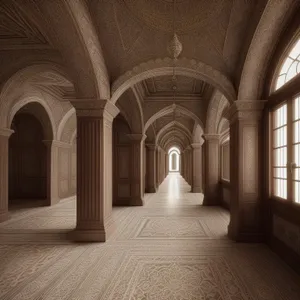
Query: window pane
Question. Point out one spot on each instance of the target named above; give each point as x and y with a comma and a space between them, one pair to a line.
297, 192
280, 157
297, 132
297, 155
281, 116
280, 173
297, 174
280, 188
295, 51
292, 72
280, 137
290, 66
297, 108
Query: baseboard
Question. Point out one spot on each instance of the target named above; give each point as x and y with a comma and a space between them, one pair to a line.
287, 254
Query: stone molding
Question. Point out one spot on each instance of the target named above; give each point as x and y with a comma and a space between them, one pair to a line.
212, 137
7, 132
184, 66
137, 137
245, 110
95, 108
56, 143
151, 146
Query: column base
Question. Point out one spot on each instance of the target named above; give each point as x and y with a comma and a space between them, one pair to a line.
52, 201
4, 216
151, 190
196, 189
136, 201
210, 201
88, 236
245, 237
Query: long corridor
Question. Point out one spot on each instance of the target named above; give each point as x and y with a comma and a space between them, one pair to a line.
171, 248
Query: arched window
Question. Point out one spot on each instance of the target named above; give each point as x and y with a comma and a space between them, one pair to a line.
174, 159
285, 137
290, 67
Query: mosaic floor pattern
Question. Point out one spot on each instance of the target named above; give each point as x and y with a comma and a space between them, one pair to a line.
170, 249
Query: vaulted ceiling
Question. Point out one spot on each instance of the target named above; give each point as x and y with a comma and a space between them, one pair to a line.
99, 42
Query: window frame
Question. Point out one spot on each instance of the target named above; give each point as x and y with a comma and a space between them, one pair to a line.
289, 100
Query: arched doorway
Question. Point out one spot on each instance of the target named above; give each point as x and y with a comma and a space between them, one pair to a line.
174, 160
29, 157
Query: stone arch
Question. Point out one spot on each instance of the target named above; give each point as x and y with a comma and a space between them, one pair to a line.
216, 107
197, 134
169, 126
31, 84
223, 125
185, 67
51, 134
170, 109
30, 152
180, 134
130, 107
63, 123
271, 24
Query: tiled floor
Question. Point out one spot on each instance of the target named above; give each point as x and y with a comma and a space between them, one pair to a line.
172, 248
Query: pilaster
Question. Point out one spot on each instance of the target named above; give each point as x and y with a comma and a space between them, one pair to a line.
212, 157
5, 133
137, 193
245, 175
94, 169
151, 168
197, 167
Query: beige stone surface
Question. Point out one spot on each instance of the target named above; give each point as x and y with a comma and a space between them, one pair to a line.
172, 248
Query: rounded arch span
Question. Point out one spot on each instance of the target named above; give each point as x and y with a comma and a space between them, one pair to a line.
63, 122
271, 24
175, 142
169, 126
10, 112
185, 67
170, 109
24, 75
174, 148
216, 107
44, 116
169, 136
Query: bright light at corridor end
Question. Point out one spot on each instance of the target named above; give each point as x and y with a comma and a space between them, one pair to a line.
174, 159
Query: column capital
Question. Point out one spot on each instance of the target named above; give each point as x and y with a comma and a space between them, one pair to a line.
151, 146
95, 108
57, 143
212, 137
245, 110
7, 132
197, 145
137, 137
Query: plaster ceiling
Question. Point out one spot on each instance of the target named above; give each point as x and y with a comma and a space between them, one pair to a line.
135, 31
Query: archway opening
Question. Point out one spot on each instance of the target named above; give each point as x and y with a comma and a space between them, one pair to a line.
29, 159
174, 160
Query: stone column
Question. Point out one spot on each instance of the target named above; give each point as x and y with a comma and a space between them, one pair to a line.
5, 133
137, 172
151, 168
52, 171
94, 169
197, 168
212, 176
245, 171
189, 165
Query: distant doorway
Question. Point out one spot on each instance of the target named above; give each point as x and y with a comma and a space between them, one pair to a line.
174, 159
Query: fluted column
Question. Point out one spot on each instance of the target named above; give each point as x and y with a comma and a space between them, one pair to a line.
4, 140
137, 173
212, 176
94, 169
245, 171
197, 168
151, 168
